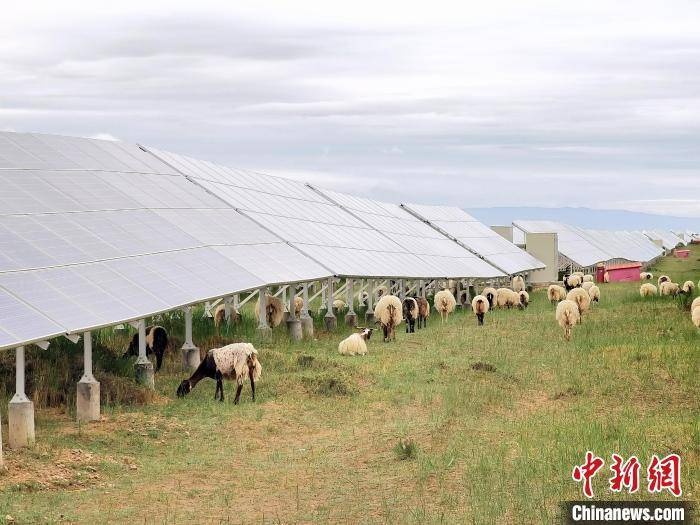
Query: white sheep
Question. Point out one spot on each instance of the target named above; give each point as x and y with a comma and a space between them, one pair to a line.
647, 290
669, 288
220, 315
606, 277
695, 317
587, 285
490, 294
444, 302
518, 283
387, 312
274, 310
506, 298
567, 316
480, 305
594, 294
688, 287
662, 279
588, 278
582, 300
695, 304
523, 299
380, 291
339, 305
355, 344
298, 306
556, 293
234, 362
579, 273
645, 276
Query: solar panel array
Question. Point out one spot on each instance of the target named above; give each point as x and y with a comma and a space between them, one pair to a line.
573, 245
319, 228
586, 247
415, 236
668, 239
94, 233
476, 237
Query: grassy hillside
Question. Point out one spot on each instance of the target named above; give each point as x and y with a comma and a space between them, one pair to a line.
453, 424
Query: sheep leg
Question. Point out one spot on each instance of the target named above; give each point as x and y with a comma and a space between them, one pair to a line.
238, 394
252, 382
219, 393
159, 358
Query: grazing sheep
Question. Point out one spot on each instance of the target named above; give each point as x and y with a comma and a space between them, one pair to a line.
362, 298
339, 305
387, 312
274, 310
444, 302
567, 316
669, 288
518, 283
645, 276
647, 290
594, 294
695, 304
555, 293
579, 273
524, 299
588, 278
606, 277
355, 344
695, 316
663, 279
380, 291
506, 298
234, 362
587, 285
688, 287
220, 315
410, 314
490, 294
423, 312
480, 305
298, 306
156, 343
572, 281
582, 300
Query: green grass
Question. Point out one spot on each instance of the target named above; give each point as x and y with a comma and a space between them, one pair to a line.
453, 424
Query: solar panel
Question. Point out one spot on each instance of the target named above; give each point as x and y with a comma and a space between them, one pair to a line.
624, 245
94, 233
308, 221
669, 240
573, 245
414, 236
476, 237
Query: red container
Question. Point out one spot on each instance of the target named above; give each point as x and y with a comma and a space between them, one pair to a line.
623, 272
600, 274
682, 254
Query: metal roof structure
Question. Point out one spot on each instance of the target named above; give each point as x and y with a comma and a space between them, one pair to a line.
321, 229
475, 237
625, 245
414, 235
94, 233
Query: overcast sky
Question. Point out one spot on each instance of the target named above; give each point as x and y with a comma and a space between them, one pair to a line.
496, 103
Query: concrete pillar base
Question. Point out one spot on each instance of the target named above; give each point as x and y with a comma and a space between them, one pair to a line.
144, 373
264, 331
369, 318
294, 329
330, 322
286, 316
351, 319
307, 327
20, 418
88, 399
190, 358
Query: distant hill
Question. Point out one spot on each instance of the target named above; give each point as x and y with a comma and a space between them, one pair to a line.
586, 218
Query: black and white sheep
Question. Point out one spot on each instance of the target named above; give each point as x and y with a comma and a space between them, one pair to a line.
480, 305
572, 281
490, 294
524, 298
410, 314
234, 362
688, 287
157, 343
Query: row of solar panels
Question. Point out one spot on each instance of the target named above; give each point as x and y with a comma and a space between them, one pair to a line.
586, 247
94, 233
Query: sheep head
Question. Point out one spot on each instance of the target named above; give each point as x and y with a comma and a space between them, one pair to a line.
184, 388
